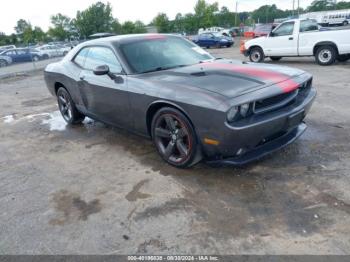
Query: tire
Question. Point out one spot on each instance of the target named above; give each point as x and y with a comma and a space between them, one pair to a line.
46, 56
65, 53
175, 138
67, 107
345, 23
326, 55
256, 55
343, 58
275, 58
3, 63
35, 58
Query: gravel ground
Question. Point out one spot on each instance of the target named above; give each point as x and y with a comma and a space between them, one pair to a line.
94, 189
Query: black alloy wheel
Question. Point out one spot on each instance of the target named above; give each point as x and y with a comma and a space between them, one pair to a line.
174, 137
67, 107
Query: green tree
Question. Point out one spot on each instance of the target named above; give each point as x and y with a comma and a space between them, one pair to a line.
343, 5
205, 13
161, 21
62, 27
320, 5
116, 27
21, 26
128, 27
139, 28
96, 18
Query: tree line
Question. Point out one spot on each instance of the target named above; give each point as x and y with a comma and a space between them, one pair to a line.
98, 18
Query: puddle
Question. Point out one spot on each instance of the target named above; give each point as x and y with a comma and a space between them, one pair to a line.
54, 120
8, 119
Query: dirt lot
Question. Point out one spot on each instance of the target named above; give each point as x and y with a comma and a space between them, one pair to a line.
94, 189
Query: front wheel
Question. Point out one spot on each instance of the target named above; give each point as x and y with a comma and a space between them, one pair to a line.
256, 55
35, 58
275, 58
174, 137
3, 63
326, 55
67, 107
345, 23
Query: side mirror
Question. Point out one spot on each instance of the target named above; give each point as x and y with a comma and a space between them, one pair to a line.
101, 70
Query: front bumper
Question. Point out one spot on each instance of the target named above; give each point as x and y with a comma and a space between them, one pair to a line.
264, 149
260, 135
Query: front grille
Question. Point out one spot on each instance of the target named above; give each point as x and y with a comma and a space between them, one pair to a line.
282, 100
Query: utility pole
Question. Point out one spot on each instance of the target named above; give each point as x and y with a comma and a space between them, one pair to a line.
236, 13
293, 7
298, 7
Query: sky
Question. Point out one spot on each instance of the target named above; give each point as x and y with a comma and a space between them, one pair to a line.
38, 12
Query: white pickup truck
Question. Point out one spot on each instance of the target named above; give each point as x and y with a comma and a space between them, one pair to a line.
300, 37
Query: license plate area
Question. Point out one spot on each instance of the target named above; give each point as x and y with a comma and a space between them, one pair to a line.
295, 119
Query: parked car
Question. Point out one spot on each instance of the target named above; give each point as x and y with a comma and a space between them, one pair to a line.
22, 55
6, 47
213, 40
48, 51
190, 104
299, 37
262, 30
5, 60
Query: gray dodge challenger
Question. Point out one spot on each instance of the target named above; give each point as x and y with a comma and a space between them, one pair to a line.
192, 105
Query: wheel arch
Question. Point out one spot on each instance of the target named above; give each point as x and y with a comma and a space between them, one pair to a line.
323, 43
157, 105
255, 46
58, 85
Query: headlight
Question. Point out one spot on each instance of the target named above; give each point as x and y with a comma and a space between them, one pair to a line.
231, 114
223, 40
244, 110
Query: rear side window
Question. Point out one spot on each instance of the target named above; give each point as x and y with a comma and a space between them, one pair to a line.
285, 29
308, 25
98, 56
80, 57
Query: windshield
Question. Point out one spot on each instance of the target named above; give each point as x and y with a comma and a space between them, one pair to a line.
161, 53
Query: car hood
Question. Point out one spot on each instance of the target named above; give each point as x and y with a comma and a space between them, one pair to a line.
228, 77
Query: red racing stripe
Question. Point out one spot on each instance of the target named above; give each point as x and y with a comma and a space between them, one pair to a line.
154, 37
281, 80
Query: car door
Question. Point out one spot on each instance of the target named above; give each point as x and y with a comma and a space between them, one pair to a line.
105, 98
23, 55
13, 55
281, 41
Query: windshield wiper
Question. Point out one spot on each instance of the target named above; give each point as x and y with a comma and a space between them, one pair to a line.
161, 68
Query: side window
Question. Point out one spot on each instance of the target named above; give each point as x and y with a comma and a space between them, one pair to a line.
81, 56
285, 29
308, 25
102, 56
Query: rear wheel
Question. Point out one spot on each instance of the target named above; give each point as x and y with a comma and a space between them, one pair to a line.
35, 58
67, 107
326, 55
275, 58
3, 63
174, 137
345, 22
256, 55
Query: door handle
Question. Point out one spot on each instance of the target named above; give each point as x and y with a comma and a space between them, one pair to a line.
290, 38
